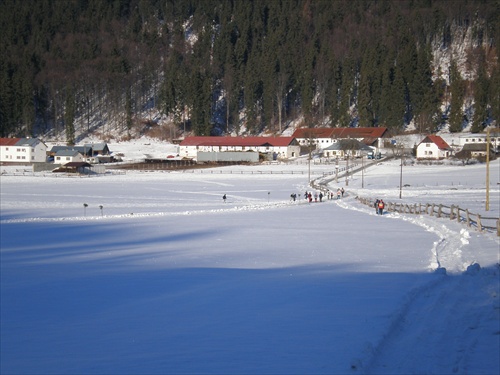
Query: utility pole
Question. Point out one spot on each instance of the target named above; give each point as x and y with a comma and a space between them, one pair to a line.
337, 169
347, 171
487, 208
362, 172
309, 175
401, 174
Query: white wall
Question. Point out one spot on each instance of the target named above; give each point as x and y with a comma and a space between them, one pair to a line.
23, 154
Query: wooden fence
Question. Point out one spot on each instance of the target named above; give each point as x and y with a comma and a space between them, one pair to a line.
481, 223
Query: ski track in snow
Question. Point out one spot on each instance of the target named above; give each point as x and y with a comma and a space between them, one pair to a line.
250, 207
423, 322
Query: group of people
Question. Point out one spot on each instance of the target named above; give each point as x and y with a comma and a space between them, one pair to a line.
309, 196
379, 206
318, 197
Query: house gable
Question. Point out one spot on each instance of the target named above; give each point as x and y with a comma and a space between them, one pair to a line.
437, 140
433, 147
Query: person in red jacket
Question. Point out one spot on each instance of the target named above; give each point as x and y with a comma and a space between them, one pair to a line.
381, 206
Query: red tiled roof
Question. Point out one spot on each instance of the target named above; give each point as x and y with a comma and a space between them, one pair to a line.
237, 141
340, 132
9, 141
440, 142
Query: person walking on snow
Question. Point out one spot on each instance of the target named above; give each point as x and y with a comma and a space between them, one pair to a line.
376, 205
381, 206
224, 198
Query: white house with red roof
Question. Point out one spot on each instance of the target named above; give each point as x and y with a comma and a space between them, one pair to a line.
22, 150
433, 147
323, 138
282, 147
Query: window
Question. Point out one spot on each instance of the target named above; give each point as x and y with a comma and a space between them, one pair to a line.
427, 145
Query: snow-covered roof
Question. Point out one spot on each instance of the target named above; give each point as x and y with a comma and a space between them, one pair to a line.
67, 153
437, 140
25, 142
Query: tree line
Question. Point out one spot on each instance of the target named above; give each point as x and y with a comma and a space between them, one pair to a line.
224, 66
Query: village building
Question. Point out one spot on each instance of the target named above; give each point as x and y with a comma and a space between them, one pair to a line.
22, 150
433, 147
98, 149
277, 147
67, 156
352, 148
323, 138
79, 167
475, 150
480, 138
91, 152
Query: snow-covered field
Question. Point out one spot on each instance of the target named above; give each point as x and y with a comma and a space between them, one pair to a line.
166, 278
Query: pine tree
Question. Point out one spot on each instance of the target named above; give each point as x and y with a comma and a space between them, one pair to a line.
494, 95
457, 92
365, 88
69, 115
480, 98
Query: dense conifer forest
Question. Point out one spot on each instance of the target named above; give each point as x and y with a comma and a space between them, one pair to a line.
242, 66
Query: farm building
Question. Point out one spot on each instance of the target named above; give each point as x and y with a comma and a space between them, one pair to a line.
22, 150
323, 138
281, 147
481, 139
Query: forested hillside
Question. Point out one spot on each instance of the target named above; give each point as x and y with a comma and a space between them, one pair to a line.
74, 67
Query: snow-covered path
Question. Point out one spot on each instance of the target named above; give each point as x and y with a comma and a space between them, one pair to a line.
446, 327
458, 312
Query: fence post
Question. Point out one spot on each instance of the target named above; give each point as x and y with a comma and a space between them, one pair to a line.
458, 214
479, 226
498, 227
467, 217
451, 212
440, 210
